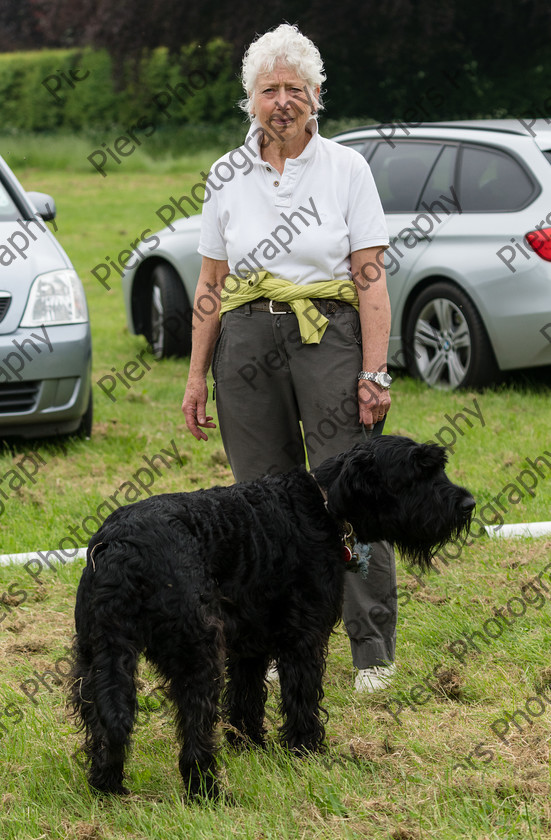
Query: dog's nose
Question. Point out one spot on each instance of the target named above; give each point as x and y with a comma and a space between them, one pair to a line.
468, 504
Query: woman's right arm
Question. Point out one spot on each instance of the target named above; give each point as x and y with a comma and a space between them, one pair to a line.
205, 329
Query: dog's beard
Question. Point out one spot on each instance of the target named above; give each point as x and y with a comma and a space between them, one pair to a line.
421, 552
417, 545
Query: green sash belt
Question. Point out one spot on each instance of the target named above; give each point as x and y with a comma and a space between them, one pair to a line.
312, 323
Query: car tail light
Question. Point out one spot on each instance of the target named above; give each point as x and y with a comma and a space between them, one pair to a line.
540, 241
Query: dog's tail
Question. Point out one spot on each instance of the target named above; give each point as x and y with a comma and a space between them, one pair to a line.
104, 656
102, 695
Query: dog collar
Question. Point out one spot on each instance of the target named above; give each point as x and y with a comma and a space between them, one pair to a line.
354, 559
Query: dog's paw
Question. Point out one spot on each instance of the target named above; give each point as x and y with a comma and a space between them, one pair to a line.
216, 796
115, 790
304, 748
204, 794
201, 786
240, 741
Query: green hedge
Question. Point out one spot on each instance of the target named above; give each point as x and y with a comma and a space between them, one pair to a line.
81, 90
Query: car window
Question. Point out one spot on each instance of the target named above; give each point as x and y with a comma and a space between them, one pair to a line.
491, 180
359, 145
400, 172
441, 179
547, 153
9, 212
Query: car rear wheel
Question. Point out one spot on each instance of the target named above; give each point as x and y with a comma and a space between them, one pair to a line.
446, 342
170, 314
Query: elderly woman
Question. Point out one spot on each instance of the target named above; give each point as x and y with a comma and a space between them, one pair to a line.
292, 267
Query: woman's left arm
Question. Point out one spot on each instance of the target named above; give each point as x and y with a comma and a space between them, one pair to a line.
369, 276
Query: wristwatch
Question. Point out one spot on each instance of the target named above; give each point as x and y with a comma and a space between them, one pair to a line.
383, 380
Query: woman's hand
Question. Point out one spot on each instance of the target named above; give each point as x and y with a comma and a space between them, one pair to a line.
205, 332
194, 407
373, 401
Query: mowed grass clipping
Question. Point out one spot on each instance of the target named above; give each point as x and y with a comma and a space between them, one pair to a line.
420, 759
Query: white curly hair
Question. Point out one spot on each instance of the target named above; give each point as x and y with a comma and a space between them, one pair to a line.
284, 44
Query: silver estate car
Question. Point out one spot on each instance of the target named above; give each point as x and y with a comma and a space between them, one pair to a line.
468, 208
45, 340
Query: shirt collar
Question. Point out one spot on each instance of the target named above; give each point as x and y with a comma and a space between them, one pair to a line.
255, 131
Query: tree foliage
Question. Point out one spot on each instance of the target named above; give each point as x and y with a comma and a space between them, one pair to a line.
381, 58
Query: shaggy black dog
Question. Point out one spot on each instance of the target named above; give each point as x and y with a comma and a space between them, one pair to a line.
231, 578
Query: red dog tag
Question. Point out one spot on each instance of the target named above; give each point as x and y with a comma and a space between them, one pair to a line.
346, 554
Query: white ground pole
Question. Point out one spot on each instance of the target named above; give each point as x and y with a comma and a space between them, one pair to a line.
20, 559
519, 529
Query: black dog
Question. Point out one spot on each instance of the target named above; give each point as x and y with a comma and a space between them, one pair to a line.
234, 577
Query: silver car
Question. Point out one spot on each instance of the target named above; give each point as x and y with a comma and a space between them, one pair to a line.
45, 340
468, 207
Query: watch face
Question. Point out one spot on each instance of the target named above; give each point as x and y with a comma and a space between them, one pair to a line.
386, 380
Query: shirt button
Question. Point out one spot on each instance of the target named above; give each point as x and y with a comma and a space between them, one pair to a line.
276, 183
269, 168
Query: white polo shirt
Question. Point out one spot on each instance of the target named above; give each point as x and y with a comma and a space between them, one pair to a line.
301, 225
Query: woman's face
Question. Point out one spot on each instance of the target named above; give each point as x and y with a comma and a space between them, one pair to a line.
283, 103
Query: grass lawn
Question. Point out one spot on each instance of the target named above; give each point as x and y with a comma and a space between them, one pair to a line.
457, 747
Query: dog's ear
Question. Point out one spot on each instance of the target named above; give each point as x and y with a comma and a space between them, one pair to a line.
429, 457
353, 483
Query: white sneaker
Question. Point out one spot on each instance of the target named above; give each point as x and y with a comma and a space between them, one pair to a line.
374, 678
272, 674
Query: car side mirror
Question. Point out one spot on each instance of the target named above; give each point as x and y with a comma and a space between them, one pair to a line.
43, 204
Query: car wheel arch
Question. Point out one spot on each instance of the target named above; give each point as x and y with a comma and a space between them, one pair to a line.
413, 299
141, 291
432, 280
